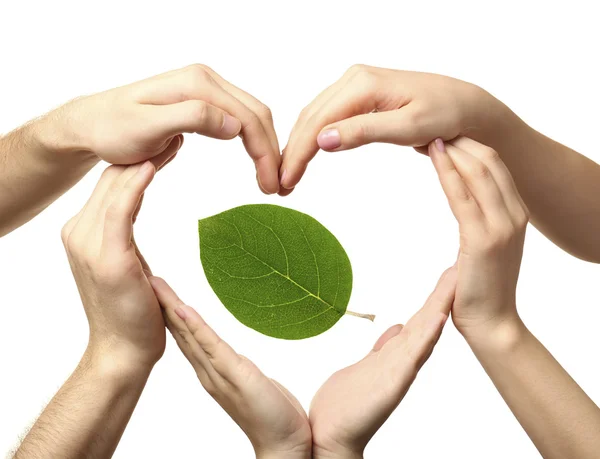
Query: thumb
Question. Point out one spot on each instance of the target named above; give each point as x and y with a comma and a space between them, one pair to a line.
396, 126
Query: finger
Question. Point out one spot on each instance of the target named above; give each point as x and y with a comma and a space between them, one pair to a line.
481, 183
118, 220
463, 205
442, 296
396, 127
500, 172
394, 330
217, 350
263, 112
92, 209
195, 83
353, 99
312, 108
161, 160
423, 326
172, 305
188, 346
145, 265
195, 116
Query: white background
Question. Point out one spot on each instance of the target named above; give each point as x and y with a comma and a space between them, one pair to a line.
382, 202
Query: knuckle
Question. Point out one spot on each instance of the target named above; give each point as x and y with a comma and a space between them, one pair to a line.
198, 75
356, 69
479, 171
361, 133
499, 239
490, 154
199, 110
415, 117
113, 212
65, 232
265, 112
365, 79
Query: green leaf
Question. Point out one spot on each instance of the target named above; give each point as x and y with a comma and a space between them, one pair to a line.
277, 270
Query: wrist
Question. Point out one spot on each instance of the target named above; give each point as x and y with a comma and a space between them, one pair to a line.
56, 137
496, 335
283, 455
341, 453
493, 123
116, 369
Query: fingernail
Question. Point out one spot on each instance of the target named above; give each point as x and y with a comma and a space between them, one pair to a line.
439, 144
231, 126
329, 140
283, 176
181, 313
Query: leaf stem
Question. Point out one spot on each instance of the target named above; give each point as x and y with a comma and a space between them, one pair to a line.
370, 317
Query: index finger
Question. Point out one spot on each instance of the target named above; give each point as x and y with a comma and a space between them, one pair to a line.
197, 83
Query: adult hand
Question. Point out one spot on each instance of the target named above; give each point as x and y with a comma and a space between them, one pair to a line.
412, 110
355, 402
492, 221
136, 122
274, 421
125, 319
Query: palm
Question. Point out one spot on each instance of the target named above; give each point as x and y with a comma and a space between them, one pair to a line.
354, 402
273, 411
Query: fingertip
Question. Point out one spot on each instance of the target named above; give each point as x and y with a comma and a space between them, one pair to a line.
231, 127
285, 192
267, 175
439, 145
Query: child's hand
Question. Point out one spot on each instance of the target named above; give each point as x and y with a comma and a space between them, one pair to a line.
355, 402
413, 109
126, 324
271, 417
492, 220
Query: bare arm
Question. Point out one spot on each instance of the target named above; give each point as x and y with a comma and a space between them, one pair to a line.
88, 415
559, 185
35, 171
128, 125
561, 420
370, 104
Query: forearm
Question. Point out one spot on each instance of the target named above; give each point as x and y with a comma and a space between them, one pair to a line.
559, 185
88, 415
38, 163
561, 420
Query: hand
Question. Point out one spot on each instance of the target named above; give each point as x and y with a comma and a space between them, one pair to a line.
413, 109
271, 417
492, 221
124, 315
134, 123
355, 402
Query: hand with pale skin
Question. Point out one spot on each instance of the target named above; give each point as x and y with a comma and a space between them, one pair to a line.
110, 272
88, 415
272, 418
559, 417
355, 402
128, 125
371, 104
492, 223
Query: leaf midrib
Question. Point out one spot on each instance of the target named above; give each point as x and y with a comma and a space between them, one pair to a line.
286, 277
